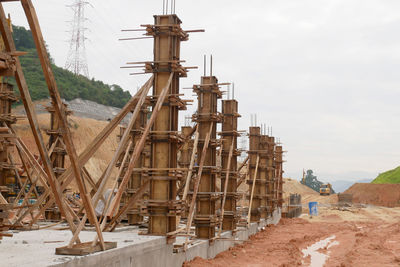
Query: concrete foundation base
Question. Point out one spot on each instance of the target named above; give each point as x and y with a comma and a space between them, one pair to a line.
37, 248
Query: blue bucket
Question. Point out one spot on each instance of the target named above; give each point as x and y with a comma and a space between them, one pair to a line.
313, 207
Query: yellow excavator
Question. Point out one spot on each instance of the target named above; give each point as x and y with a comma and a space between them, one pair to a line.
325, 189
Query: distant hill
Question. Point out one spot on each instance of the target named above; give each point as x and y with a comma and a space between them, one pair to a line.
70, 85
389, 177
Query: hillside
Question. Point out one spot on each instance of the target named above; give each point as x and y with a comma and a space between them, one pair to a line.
69, 85
386, 195
389, 177
84, 130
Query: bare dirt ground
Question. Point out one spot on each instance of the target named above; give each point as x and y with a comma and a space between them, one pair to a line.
355, 236
372, 242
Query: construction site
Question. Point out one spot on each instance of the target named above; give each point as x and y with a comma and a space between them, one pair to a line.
132, 186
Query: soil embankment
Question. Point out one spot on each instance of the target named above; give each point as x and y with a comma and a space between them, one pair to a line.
387, 195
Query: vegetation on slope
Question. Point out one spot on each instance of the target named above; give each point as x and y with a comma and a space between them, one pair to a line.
70, 85
389, 177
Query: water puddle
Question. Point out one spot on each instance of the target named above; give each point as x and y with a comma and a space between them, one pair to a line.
318, 259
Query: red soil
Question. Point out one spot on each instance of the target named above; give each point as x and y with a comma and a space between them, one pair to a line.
360, 244
387, 195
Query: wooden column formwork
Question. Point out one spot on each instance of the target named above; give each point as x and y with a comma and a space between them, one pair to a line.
57, 154
8, 182
254, 139
134, 214
162, 205
263, 175
55, 146
229, 135
271, 176
279, 174
207, 116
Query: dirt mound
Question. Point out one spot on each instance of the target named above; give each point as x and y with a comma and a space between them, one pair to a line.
386, 195
307, 194
295, 187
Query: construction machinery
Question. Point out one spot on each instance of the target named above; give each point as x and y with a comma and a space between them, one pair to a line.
325, 189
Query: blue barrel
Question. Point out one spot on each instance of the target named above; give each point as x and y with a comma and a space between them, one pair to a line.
313, 207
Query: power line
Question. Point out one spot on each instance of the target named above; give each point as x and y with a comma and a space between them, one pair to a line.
76, 61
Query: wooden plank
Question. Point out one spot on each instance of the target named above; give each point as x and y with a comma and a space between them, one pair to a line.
225, 188
243, 164
84, 249
89, 178
3, 201
192, 161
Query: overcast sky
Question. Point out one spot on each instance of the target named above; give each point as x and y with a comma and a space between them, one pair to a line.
323, 73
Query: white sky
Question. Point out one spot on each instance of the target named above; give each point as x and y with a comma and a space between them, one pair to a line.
323, 73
